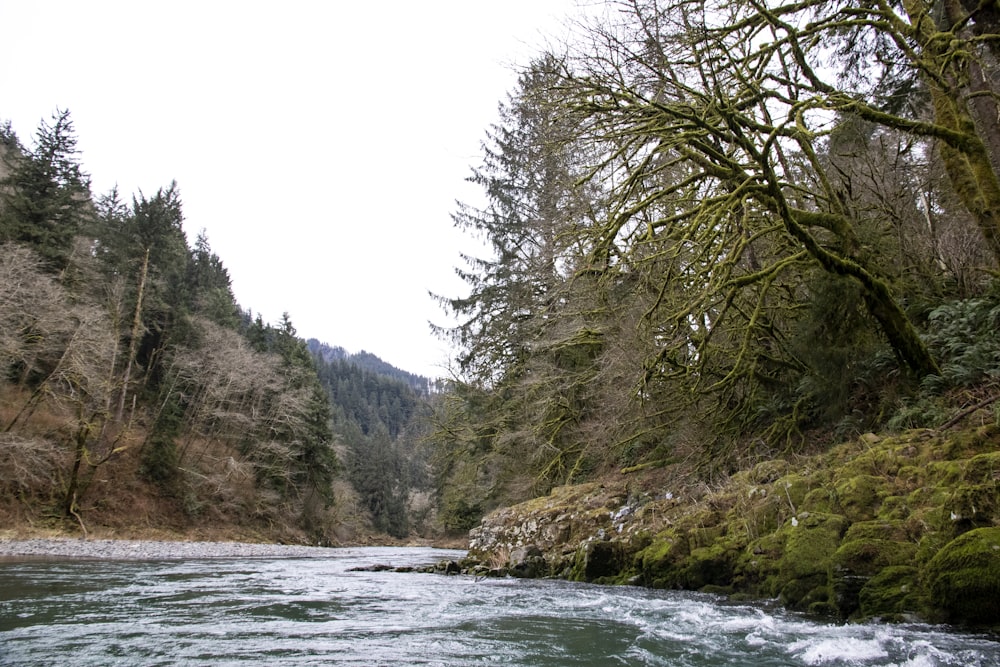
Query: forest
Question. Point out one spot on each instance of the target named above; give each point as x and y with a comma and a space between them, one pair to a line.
137, 394
717, 232
723, 232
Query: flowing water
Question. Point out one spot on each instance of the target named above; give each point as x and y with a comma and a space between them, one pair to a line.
315, 611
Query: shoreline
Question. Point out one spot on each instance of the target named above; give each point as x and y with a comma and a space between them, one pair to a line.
68, 548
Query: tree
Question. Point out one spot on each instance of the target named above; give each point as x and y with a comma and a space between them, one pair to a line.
45, 197
63, 352
722, 203
210, 284
528, 177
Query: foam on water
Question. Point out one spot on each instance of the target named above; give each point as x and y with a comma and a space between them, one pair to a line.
319, 611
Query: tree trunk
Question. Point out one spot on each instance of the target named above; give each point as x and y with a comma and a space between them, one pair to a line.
134, 342
963, 107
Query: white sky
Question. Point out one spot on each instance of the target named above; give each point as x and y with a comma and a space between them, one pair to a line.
320, 144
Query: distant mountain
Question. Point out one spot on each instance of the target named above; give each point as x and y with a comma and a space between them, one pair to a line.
369, 362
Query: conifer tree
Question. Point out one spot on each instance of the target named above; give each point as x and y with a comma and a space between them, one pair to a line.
45, 198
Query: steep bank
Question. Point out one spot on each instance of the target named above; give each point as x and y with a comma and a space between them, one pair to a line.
897, 528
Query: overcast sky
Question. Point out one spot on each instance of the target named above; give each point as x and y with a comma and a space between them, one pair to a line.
321, 144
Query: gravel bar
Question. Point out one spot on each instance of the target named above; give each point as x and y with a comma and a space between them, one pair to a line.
152, 550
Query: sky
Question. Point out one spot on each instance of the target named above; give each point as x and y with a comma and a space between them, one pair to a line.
320, 145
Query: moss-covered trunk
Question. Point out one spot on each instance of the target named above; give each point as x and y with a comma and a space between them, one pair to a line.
956, 80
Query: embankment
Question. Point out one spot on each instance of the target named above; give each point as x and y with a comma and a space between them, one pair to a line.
898, 528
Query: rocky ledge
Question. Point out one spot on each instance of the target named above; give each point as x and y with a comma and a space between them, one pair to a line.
897, 528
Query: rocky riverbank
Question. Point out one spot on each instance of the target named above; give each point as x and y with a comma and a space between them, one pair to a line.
896, 528
151, 549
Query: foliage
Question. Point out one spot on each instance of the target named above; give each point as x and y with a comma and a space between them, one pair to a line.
717, 231
131, 342
44, 199
375, 416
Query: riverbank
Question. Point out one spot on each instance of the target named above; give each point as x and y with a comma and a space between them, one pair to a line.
898, 528
151, 549
106, 549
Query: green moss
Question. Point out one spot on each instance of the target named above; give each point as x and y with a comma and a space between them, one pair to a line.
714, 565
758, 511
983, 468
820, 500
859, 497
768, 471
964, 577
600, 561
891, 594
911, 477
810, 593
878, 529
704, 536
805, 566
658, 562
894, 508
869, 556
758, 565
793, 489
945, 473
976, 505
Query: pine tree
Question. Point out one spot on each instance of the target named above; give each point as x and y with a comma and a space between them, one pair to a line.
46, 195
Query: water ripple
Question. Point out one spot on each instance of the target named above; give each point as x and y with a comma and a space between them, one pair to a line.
315, 611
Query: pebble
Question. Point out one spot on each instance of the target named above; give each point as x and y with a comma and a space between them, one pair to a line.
151, 550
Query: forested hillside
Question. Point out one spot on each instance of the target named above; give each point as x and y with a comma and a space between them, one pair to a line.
136, 392
727, 232
380, 422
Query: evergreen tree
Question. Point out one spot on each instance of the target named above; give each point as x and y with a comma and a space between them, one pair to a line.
45, 197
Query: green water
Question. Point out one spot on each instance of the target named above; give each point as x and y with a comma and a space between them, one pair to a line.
315, 611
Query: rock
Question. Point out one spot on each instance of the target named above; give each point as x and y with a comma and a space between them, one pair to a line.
964, 577
599, 560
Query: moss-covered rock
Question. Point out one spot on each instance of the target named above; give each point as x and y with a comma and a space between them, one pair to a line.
892, 595
600, 561
868, 556
866, 529
805, 565
964, 577
659, 562
859, 497
712, 566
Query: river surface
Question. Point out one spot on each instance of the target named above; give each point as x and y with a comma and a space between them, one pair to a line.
315, 611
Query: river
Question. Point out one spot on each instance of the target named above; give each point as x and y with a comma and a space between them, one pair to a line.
316, 611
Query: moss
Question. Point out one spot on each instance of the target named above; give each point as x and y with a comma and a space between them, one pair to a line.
892, 594
859, 497
820, 500
793, 489
805, 566
884, 459
868, 557
964, 577
911, 477
945, 473
878, 529
704, 536
966, 444
807, 593
758, 565
767, 471
894, 508
983, 468
658, 562
714, 565
757, 512
975, 505
599, 561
